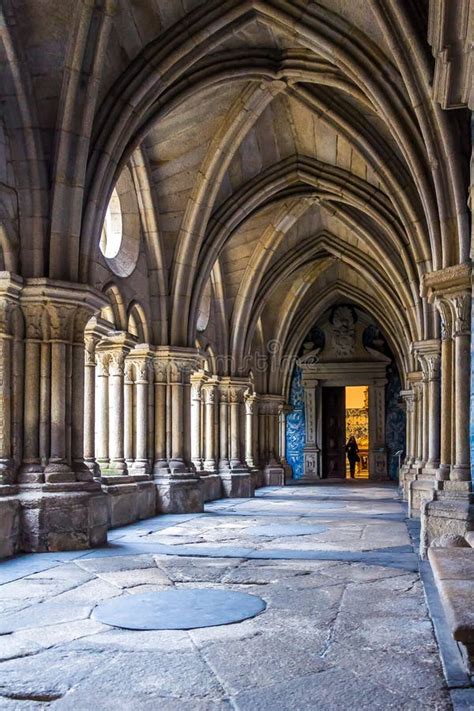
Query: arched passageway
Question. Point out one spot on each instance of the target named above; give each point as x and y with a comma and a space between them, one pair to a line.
190, 192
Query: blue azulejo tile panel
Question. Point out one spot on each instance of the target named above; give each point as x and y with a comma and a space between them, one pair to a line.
395, 425
295, 426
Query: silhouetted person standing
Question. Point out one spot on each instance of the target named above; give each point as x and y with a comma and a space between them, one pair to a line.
352, 451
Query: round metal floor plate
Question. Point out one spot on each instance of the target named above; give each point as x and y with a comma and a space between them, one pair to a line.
178, 609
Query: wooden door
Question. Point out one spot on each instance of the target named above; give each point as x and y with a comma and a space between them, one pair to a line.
334, 432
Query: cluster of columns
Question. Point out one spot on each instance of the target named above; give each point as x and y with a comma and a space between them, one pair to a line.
437, 465
48, 497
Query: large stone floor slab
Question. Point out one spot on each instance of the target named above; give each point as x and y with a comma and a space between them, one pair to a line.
345, 624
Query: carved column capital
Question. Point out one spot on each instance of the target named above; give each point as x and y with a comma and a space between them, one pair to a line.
461, 308
209, 393
102, 363
444, 309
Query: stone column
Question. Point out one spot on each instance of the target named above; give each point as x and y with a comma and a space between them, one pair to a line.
418, 391
178, 487
117, 346
89, 403
31, 468
461, 308
75, 517
141, 363
129, 419
251, 405
311, 451
9, 299
209, 440
160, 461
429, 355
101, 430
450, 510
284, 411
446, 414
237, 480
224, 464
407, 396
197, 380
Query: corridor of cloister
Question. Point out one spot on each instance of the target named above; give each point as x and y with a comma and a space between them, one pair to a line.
235, 273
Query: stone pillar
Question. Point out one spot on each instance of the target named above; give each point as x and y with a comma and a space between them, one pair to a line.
178, 487
63, 508
446, 414
160, 461
311, 451
209, 438
429, 355
129, 419
197, 380
9, 300
9, 403
284, 411
117, 346
407, 396
236, 481
251, 404
140, 359
101, 430
377, 451
89, 402
274, 473
461, 308
450, 509
418, 391
141, 384
224, 463
32, 468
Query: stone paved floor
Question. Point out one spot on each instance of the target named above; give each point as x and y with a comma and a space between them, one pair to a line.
346, 625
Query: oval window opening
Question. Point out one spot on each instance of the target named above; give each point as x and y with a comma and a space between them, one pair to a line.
111, 237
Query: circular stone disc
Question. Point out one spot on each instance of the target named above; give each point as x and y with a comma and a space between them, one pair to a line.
178, 609
276, 530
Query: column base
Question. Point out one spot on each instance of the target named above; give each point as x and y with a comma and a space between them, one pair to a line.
9, 525
179, 494
378, 470
445, 514
274, 475
419, 491
460, 474
237, 484
129, 499
211, 485
62, 517
258, 477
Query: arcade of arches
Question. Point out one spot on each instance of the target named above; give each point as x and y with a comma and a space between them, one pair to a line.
214, 216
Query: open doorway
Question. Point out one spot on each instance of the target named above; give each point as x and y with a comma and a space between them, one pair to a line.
345, 414
357, 425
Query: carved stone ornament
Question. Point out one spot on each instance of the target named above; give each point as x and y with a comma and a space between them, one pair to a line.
142, 369
209, 394
160, 369
89, 351
102, 363
461, 304
116, 363
235, 394
343, 332
33, 314
61, 321
444, 310
433, 366
250, 406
